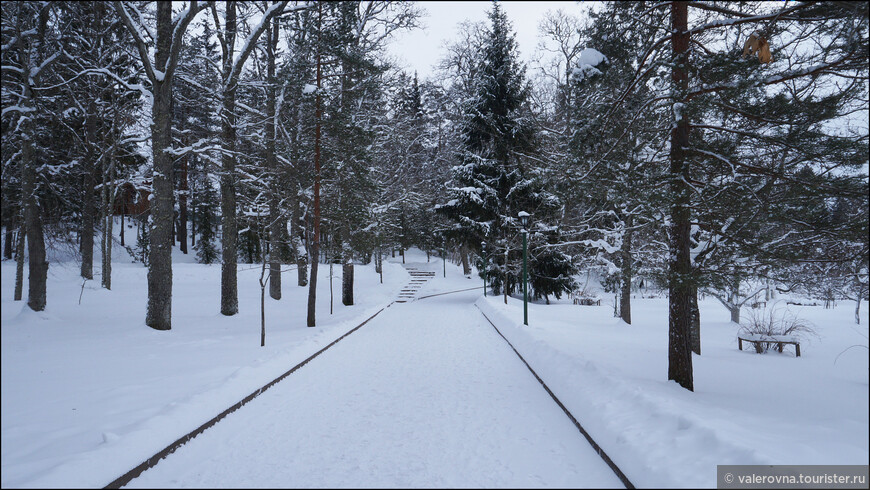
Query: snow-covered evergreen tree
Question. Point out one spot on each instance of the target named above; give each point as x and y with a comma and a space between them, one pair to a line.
494, 181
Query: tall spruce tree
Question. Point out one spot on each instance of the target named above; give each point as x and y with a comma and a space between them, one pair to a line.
495, 181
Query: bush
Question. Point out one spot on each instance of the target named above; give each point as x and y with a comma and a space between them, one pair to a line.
775, 320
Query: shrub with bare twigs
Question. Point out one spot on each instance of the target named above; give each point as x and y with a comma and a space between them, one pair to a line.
775, 320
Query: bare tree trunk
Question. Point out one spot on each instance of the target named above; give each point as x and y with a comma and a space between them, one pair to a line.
504, 283
680, 280
734, 308
182, 207
7, 242
159, 312
19, 263
298, 240
463, 255
32, 224
192, 221
104, 221
229, 227
381, 264
37, 265
231, 70
110, 221
263, 280
625, 253
696, 320
276, 222
346, 268
315, 242
378, 266
88, 215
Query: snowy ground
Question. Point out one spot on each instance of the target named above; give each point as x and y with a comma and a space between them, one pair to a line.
747, 408
88, 391
425, 395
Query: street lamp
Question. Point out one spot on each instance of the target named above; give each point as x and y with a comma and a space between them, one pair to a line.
524, 221
444, 254
483, 252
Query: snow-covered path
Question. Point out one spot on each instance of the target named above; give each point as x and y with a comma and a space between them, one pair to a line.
426, 394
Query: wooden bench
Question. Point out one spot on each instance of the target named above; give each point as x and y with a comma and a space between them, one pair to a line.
587, 301
779, 340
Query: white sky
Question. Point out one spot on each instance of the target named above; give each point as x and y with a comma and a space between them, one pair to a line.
420, 49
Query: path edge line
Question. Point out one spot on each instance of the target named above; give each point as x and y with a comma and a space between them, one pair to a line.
153, 460
447, 292
619, 474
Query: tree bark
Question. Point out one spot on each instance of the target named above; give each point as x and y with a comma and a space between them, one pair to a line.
159, 311
680, 266
696, 320
466, 266
110, 221
37, 265
192, 221
229, 227
182, 207
734, 299
19, 263
625, 292
88, 212
315, 242
298, 241
735, 313
32, 224
104, 222
231, 71
276, 222
504, 282
7, 241
346, 268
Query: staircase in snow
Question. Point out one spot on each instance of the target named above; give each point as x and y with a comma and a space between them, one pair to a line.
418, 279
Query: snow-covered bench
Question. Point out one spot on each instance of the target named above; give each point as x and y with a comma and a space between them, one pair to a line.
757, 340
587, 301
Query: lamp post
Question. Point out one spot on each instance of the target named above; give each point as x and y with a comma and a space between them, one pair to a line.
444, 254
524, 221
483, 252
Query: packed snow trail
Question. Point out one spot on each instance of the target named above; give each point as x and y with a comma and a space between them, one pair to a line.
427, 394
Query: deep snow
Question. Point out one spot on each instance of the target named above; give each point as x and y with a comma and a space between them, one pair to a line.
88, 391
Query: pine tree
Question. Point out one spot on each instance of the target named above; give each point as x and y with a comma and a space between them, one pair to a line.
739, 133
